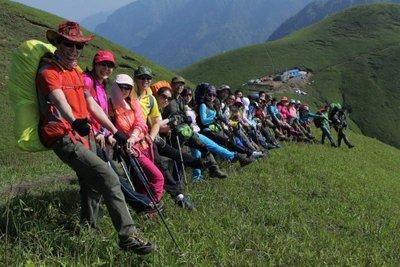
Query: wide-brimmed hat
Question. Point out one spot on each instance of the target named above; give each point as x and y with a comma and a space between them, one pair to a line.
70, 31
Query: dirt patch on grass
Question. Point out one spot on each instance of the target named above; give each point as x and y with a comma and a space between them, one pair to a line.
25, 187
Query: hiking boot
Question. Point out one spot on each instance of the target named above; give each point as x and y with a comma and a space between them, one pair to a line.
183, 202
153, 209
350, 146
136, 244
243, 159
205, 164
256, 154
215, 172
333, 145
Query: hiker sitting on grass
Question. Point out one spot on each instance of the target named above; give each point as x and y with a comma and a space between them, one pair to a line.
180, 130
64, 108
95, 82
210, 124
161, 149
293, 120
210, 144
129, 120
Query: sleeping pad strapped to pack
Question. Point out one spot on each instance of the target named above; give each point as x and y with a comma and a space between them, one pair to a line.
22, 91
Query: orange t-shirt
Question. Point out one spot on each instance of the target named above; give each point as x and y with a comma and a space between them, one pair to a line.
49, 78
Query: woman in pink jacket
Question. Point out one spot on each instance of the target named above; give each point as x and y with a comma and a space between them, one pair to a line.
128, 119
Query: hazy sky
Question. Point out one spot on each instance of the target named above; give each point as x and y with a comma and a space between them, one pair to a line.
75, 9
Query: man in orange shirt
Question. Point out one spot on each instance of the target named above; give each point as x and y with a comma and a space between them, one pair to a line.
64, 110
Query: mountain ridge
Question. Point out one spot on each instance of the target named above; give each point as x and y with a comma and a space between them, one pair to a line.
317, 11
189, 29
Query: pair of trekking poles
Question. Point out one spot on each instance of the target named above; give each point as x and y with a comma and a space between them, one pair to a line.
122, 155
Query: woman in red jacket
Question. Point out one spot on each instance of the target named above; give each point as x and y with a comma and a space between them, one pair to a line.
128, 119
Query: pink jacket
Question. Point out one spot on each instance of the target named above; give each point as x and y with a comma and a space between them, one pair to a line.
99, 94
283, 110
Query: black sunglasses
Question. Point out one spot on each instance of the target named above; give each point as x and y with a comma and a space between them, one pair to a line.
166, 97
78, 46
144, 77
107, 64
211, 95
126, 87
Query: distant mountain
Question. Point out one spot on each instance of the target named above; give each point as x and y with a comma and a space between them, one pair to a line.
317, 11
91, 22
354, 57
175, 33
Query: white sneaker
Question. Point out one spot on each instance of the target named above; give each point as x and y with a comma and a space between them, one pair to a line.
256, 155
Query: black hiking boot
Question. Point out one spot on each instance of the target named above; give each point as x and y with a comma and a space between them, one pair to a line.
183, 202
350, 146
153, 209
333, 145
136, 244
215, 172
243, 159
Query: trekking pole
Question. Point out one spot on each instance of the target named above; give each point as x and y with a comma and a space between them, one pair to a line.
112, 166
142, 176
180, 153
175, 164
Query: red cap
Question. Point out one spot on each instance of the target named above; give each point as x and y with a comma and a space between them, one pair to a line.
103, 55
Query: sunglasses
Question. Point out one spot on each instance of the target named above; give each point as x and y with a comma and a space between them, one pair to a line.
107, 64
211, 95
126, 87
144, 77
78, 46
166, 97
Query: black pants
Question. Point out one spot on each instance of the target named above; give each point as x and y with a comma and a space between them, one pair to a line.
136, 200
341, 135
164, 156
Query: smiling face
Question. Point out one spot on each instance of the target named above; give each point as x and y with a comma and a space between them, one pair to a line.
70, 51
187, 98
178, 87
103, 70
164, 98
125, 89
143, 81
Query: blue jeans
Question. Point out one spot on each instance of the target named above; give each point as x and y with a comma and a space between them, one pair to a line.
214, 148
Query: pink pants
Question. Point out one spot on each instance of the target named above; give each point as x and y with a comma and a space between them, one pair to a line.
154, 176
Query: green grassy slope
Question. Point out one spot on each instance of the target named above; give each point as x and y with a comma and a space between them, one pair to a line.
354, 58
17, 24
306, 205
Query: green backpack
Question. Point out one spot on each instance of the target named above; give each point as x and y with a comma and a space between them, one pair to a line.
22, 92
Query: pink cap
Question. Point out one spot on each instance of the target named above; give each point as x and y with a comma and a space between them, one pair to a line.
103, 55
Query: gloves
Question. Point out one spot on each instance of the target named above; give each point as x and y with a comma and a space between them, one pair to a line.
120, 138
81, 126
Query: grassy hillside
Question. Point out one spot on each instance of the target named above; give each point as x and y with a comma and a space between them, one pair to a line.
306, 205
17, 24
353, 56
